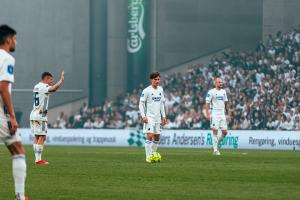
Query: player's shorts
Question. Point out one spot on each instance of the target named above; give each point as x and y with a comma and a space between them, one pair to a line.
5, 135
218, 122
154, 128
39, 127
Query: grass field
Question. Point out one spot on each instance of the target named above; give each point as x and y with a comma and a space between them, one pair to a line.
121, 173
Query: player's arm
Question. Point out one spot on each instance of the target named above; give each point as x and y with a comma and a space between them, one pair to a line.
142, 107
5, 94
54, 87
207, 107
207, 104
163, 111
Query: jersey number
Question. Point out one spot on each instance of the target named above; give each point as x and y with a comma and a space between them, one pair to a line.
36, 99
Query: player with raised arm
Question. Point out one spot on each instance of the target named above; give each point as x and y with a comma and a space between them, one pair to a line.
152, 110
216, 104
39, 113
8, 122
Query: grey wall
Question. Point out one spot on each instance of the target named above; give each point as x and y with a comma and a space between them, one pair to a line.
116, 47
52, 36
191, 28
280, 15
98, 52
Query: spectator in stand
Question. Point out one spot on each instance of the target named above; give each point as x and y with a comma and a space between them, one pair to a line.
297, 123
88, 123
98, 123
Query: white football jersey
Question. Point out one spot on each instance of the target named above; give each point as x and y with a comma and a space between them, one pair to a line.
216, 99
7, 63
153, 101
40, 102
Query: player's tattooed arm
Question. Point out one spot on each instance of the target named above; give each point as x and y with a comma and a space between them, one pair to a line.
54, 87
5, 94
207, 106
208, 99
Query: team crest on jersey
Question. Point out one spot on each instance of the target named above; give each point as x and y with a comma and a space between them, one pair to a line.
10, 69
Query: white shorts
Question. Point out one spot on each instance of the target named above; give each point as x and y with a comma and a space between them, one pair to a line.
154, 128
39, 127
5, 135
218, 122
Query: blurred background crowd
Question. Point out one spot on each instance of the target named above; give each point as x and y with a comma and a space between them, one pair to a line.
263, 87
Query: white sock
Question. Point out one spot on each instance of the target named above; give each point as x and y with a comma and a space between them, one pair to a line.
221, 138
19, 174
35, 150
148, 149
39, 148
215, 142
154, 146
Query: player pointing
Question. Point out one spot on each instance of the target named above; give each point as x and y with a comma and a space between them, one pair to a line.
153, 113
39, 113
216, 101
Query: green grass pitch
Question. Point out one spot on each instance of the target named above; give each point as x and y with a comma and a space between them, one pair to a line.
79, 173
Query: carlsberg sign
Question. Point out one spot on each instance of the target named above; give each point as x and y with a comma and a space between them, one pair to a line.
136, 33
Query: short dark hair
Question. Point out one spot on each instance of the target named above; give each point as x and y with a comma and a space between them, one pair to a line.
46, 74
5, 31
154, 75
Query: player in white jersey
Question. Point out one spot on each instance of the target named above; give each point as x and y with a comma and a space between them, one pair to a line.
216, 104
153, 113
8, 122
39, 113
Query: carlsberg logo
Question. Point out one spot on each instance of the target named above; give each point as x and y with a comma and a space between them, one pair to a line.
136, 32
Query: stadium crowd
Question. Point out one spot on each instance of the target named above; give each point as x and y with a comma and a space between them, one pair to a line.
263, 88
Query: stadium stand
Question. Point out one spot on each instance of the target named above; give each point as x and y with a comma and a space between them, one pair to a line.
263, 88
